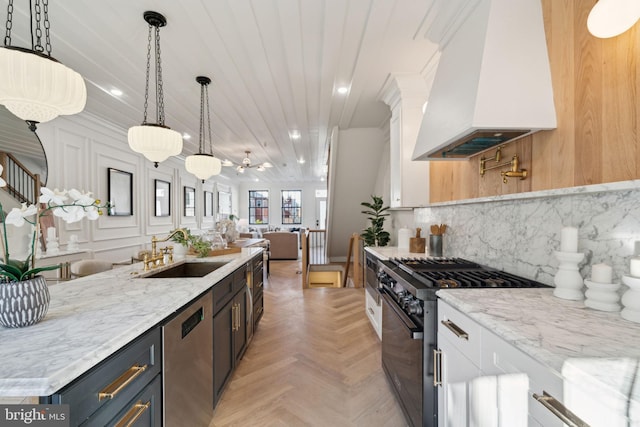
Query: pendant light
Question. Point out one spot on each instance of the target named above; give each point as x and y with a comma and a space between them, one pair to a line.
155, 140
203, 165
610, 18
33, 85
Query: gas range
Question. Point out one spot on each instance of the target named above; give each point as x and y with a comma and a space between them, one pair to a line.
408, 289
422, 276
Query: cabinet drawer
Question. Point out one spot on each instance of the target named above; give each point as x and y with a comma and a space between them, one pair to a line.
374, 313
461, 331
223, 291
240, 278
118, 378
145, 409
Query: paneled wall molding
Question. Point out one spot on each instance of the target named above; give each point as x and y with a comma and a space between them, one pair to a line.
80, 149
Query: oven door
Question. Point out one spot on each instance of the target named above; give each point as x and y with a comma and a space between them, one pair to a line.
402, 350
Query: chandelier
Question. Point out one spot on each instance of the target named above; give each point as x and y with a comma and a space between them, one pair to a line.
246, 164
33, 85
203, 165
155, 140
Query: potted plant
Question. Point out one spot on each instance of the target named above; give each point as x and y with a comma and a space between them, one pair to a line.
197, 243
375, 234
24, 296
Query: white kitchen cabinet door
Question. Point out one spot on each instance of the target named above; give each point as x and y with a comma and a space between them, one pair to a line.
503, 360
454, 395
408, 179
374, 313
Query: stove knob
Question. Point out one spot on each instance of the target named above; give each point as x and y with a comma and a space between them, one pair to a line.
415, 308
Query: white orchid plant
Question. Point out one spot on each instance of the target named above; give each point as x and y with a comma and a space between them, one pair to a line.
71, 206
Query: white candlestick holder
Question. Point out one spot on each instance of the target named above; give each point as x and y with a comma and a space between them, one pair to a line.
602, 296
568, 280
631, 299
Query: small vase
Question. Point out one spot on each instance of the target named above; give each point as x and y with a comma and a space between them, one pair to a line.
23, 303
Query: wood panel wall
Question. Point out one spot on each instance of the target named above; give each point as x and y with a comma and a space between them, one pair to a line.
596, 83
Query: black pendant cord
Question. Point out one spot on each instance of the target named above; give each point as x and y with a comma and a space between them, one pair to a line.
202, 134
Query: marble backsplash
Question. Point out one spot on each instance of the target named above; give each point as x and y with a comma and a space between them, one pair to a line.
520, 233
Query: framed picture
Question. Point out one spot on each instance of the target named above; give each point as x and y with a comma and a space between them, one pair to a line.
189, 201
120, 190
162, 198
208, 203
224, 202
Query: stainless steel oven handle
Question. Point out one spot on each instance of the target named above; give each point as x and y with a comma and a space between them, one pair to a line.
460, 333
411, 327
437, 367
559, 410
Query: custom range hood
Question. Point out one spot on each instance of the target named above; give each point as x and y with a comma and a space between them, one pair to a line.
492, 84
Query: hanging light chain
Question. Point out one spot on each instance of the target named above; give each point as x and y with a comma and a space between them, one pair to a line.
9, 24
146, 88
206, 89
201, 139
38, 8
47, 25
159, 92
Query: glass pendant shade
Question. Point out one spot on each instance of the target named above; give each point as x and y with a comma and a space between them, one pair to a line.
203, 166
39, 89
156, 143
610, 18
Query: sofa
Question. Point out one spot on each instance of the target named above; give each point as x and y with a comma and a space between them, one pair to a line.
282, 244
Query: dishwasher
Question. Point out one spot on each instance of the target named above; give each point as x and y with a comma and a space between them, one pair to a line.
187, 365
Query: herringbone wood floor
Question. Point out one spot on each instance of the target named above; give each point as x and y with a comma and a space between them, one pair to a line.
314, 361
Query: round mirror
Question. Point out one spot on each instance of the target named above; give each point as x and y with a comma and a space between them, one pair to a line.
18, 140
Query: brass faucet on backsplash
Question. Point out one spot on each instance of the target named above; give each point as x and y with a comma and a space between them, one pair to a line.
156, 258
515, 171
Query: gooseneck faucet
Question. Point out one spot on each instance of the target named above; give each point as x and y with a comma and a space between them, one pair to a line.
157, 257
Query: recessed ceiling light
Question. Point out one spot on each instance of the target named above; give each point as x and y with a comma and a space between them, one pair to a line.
257, 180
342, 90
227, 162
186, 136
301, 161
115, 92
294, 134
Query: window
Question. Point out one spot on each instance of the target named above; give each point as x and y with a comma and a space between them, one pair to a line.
291, 207
259, 207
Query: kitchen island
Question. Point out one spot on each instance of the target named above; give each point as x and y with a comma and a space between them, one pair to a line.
91, 318
594, 354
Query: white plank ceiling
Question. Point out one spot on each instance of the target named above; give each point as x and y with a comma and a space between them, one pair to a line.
275, 66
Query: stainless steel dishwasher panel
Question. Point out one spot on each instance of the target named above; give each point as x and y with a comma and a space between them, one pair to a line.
187, 360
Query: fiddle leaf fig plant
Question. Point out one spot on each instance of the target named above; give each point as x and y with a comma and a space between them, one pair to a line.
375, 234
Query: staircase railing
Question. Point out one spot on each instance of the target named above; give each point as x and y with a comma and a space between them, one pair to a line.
21, 183
314, 251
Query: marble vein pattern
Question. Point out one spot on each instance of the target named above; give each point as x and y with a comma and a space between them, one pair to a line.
563, 335
91, 318
520, 234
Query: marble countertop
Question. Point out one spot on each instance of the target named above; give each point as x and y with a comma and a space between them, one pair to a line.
582, 345
91, 318
386, 252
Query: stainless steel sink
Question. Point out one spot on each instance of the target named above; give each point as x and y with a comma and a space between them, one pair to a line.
187, 269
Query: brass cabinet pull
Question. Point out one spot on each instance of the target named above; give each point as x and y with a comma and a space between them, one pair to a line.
559, 410
233, 317
121, 382
371, 311
437, 367
133, 414
238, 317
460, 333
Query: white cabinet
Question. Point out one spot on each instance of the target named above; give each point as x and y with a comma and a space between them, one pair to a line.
487, 381
459, 360
374, 312
409, 180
